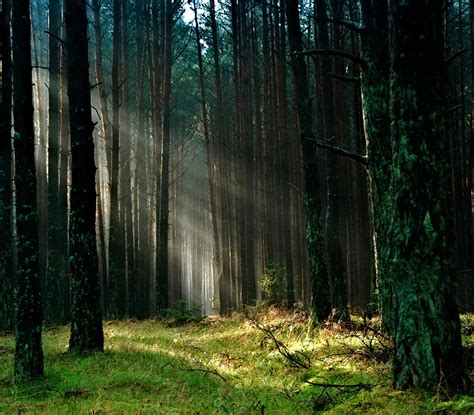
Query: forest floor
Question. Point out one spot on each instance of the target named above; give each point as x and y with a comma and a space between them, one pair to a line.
265, 362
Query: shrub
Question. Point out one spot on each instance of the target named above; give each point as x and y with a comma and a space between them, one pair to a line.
273, 285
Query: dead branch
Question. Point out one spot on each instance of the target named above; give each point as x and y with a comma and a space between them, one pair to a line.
297, 359
55, 37
346, 23
360, 386
343, 78
341, 151
454, 55
212, 372
333, 52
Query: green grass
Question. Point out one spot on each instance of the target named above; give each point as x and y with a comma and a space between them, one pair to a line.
219, 366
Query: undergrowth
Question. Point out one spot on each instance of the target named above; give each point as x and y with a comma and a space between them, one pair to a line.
266, 362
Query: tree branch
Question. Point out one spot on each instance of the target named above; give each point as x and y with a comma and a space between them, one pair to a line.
364, 160
346, 23
333, 52
454, 55
212, 372
342, 386
343, 78
55, 37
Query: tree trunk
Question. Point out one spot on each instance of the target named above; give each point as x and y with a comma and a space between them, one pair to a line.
318, 273
7, 271
418, 301
54, 297
28, 351
162, 254
86, 327
116, 284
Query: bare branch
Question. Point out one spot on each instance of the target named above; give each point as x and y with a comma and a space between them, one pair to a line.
364, 160
333, 52
346, 23
212, 372
361, 386
55, 37
454, 55
343, 78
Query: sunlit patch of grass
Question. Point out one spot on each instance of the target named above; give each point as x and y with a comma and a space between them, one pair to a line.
218, 366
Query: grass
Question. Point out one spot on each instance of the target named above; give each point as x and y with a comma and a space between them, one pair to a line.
224, 366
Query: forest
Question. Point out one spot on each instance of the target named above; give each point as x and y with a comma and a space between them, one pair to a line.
237, 206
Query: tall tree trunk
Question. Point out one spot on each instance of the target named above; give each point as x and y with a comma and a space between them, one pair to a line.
54, 296
337, 283
28, 351
116, 285
7, 271
162, 253
210, 155
317, 265
86, 327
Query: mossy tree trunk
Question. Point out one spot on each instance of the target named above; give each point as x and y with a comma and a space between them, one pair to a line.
418, 295
318, 273
28, 351
86, 327
6, 257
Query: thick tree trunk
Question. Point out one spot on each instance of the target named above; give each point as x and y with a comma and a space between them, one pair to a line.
28, 351
86, 327
418, 301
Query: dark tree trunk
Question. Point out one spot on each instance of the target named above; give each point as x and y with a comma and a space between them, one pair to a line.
116, 284
318, 273
162, 248
55, 307
6, 243
86, 327
418, 301
28, 352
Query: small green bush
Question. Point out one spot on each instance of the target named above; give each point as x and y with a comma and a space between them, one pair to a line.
273, 285
181, 313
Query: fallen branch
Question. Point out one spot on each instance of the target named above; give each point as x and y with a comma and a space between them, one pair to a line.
212, 372
360, 386
297, 359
